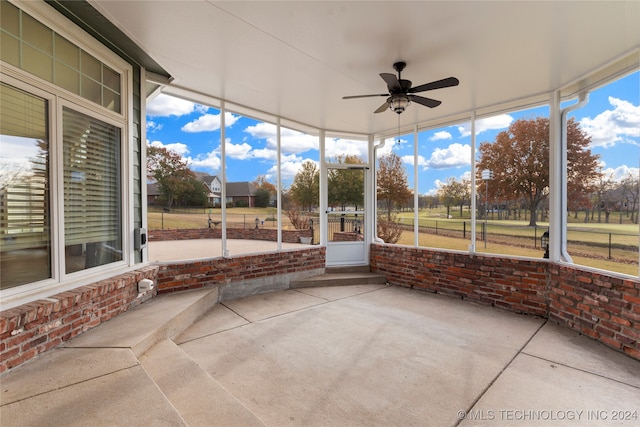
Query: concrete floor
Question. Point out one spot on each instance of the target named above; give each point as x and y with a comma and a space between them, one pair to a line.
175, 250
367, 355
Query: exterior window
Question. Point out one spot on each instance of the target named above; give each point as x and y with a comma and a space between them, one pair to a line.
92, 196
62, 212
25, 245
33, 47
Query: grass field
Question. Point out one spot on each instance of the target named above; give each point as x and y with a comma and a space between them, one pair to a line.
611, 246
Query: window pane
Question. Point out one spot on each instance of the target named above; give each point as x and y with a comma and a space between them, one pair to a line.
67, 52
10, 51
36, 62
37, 35
25, 239
9, 18
91, 66
92, 196
66, 77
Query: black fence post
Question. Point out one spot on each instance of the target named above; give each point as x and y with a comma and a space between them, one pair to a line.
609, 245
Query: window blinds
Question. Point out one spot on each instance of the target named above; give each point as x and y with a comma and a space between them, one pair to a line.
92, 199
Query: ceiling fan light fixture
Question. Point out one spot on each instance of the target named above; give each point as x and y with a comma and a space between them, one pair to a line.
398, 103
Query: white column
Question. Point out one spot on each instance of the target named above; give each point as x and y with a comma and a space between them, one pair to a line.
279, 181
555, 177
223, 173
472, 245
416, 198
323, 191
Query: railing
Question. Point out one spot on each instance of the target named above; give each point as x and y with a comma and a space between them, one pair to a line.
579, 239
340, 223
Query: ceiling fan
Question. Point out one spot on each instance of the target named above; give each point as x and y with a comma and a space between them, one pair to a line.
401, 93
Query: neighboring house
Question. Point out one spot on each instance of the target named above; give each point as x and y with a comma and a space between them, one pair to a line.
238, 193
154, 194
241, 193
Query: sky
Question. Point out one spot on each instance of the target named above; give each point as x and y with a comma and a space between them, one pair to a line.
611, 119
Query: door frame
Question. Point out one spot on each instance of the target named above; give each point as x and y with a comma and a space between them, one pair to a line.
354, 253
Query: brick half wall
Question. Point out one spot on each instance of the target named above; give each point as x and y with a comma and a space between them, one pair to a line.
180, 276
602, 306
38, 326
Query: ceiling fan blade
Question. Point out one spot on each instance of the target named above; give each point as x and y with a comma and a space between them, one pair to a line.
392, 82
427, 102
364, 96
438, 84
384, 107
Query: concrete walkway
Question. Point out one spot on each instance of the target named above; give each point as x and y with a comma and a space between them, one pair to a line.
366, 355
178, 250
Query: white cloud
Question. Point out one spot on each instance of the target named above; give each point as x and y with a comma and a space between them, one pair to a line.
289, 168
618, 125
238, 151
209, 123
165, 106
177, 147
210, 161
291, 141
443, 134
454, 156
335, 147
620, 173
153, 126
490, 123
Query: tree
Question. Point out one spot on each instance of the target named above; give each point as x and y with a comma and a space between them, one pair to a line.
172, 174
454, 193
262, 197
306, 186
391, 178
346, 186
194, 194
519, 159
261, 182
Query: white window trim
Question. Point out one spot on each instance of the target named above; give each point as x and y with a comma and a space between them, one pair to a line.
57, 97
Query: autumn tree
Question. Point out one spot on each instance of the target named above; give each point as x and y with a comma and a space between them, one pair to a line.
306, 186
172, 174
346, 186
261, 182
519, 159
391, 179
265, 191
454, 193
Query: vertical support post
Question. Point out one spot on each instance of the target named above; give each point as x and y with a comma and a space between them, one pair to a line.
555, 177
416, 195
472, 245
279, 182
223, 172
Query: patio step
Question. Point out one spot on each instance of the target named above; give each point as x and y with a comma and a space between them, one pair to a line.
196, 396
165, 316
341, 276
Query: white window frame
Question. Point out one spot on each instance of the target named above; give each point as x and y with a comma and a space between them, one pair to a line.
57, 98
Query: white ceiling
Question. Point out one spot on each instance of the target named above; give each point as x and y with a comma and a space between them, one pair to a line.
296, 59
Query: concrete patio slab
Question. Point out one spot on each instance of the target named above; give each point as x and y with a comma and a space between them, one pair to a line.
565, 347
263, 306
379, 358
61, 368
123, 398
536, 392
218, 319
139, 329
172, 250
370, 356
199, 399
332, 293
